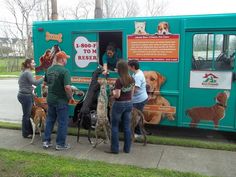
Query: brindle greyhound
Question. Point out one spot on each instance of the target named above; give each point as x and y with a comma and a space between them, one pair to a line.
102, 116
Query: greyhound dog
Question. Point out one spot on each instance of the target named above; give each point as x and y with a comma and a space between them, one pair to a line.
137, 120
82, 111
102, 116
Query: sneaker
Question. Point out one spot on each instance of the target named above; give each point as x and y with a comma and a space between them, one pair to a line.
47, 144
28, 136
65, 147
137, 136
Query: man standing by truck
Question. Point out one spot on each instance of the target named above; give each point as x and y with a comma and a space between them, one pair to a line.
59, 93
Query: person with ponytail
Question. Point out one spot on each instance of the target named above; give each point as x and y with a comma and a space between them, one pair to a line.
26, 84
122, 107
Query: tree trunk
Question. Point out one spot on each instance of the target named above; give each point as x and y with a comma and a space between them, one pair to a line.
54, 10
48, 10
98, 9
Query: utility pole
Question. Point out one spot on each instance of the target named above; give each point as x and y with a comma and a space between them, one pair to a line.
98, 9
54, 10
48, 9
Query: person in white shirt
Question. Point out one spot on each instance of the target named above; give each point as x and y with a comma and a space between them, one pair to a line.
140, 96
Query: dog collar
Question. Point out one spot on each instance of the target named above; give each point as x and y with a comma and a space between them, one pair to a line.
221, 105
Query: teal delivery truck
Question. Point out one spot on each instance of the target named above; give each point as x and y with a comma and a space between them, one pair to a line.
188, 62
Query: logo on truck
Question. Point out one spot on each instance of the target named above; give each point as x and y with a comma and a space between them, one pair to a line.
86, 51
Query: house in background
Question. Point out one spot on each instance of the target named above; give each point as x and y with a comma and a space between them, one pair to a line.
11, 47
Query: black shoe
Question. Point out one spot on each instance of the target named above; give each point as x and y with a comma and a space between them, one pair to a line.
111, 152
126, 152
148, 133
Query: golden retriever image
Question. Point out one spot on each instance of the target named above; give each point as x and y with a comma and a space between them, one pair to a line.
163, 28
154, 81
213, 113
140, 28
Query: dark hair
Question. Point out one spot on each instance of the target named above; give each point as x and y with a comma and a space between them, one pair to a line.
47, 51
112, 44
26, 63
134, 63
123, 71
111, 47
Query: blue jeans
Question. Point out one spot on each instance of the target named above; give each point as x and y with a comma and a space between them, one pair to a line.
59, 112
140, 107
121, 110
26, 101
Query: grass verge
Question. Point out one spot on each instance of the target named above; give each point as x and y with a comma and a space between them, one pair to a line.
43, 165
152, 139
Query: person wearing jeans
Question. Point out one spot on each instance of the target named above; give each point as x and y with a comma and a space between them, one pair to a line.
59, 93
140, 96
60, 113
25, 95
121, 108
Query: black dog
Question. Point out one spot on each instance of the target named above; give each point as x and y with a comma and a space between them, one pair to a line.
83, 109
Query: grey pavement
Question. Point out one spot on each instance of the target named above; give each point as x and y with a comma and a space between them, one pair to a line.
202, 161
10, 108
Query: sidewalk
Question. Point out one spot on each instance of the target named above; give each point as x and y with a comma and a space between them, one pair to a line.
203, 161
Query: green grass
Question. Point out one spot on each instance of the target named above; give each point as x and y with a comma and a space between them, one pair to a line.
9, 74
11, 64
21, 164
185, 142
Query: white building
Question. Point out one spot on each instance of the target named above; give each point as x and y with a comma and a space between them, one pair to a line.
11, 47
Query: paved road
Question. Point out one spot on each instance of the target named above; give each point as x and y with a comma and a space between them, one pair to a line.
10, 108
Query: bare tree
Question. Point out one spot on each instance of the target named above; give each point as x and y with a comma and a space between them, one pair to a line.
129, 8
41, 10
122, 8
111, 8
10, 47
82, 10
154, 7
63, 13
54, 10
22, 11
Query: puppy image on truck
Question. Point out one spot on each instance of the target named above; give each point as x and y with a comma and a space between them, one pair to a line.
140, 28
213, 113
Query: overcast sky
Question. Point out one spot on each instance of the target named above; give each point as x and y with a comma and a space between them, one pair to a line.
185, 7
174, 7
188, 7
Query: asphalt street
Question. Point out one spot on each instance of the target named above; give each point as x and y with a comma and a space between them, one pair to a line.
10, 108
